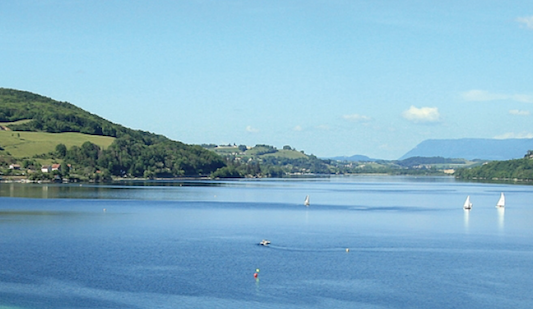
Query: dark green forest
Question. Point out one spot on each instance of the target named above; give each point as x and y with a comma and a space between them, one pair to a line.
518, 169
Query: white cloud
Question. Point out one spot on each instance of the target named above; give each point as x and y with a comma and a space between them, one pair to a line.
251, 129
519, 112
523, 98
514, 135
356, 117
297, 128
422, 115
527, 21
483, 96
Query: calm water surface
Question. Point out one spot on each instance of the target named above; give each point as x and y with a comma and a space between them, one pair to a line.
193, 244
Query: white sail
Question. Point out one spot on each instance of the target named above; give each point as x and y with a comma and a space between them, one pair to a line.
501, 201
468, 204
306, 202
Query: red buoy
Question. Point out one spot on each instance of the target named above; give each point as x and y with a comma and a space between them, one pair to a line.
255, 275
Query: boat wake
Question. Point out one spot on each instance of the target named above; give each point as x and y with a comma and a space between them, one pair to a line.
314, 249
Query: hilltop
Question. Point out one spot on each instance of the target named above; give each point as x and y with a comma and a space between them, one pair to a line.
268, 161
37, 130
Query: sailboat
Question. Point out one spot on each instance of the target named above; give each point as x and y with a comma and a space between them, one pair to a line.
306, 202
501, 201
468, 204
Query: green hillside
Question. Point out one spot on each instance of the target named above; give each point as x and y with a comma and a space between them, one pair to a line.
39, 130
267, 161
510, 170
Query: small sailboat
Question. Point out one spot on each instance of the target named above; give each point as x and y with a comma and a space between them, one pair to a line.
468, 204
306, 202
501, 201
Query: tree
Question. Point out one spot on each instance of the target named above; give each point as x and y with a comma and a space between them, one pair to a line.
61, 150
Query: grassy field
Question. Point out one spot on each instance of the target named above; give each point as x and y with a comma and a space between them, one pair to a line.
28, 144
281, 153
290, 154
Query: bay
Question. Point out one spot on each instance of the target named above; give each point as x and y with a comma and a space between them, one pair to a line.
194, 244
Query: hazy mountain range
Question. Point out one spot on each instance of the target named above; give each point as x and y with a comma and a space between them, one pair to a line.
465, 148
355, 158
472, 148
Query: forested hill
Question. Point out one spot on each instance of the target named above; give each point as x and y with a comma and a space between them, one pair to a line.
48, 115
133, 153
517, 169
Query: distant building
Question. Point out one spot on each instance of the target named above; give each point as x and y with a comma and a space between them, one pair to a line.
56, 167
14, 167
46, 168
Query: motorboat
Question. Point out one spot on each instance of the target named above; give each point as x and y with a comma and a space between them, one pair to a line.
264, 242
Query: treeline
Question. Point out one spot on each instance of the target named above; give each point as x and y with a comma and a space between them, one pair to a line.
519, 169
52, 116
418, 161
127, 157
272, 167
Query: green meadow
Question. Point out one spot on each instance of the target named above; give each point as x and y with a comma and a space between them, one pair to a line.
27, 144
289, 154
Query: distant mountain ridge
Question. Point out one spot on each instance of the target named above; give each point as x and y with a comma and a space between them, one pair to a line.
355, 158
472, 148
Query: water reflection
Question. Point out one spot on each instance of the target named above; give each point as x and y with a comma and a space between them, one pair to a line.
466, 218
45, 191
501, 214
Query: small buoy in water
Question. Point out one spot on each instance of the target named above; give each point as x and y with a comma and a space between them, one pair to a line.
347, 250
104, 210
257, 270
255, 275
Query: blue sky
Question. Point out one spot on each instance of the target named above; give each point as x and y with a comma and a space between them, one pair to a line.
331, 78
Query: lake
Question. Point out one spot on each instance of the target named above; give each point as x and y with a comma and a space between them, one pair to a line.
364, 242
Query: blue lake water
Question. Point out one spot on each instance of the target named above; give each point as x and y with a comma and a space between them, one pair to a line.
194, 244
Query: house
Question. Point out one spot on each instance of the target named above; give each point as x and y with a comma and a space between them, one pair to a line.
14, 167
56, 167
46, 168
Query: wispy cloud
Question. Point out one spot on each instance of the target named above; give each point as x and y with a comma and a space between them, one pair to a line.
298, 128
519, 112
356, 118
514, 135
483, 96
251, 129
422, 115
527, 21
